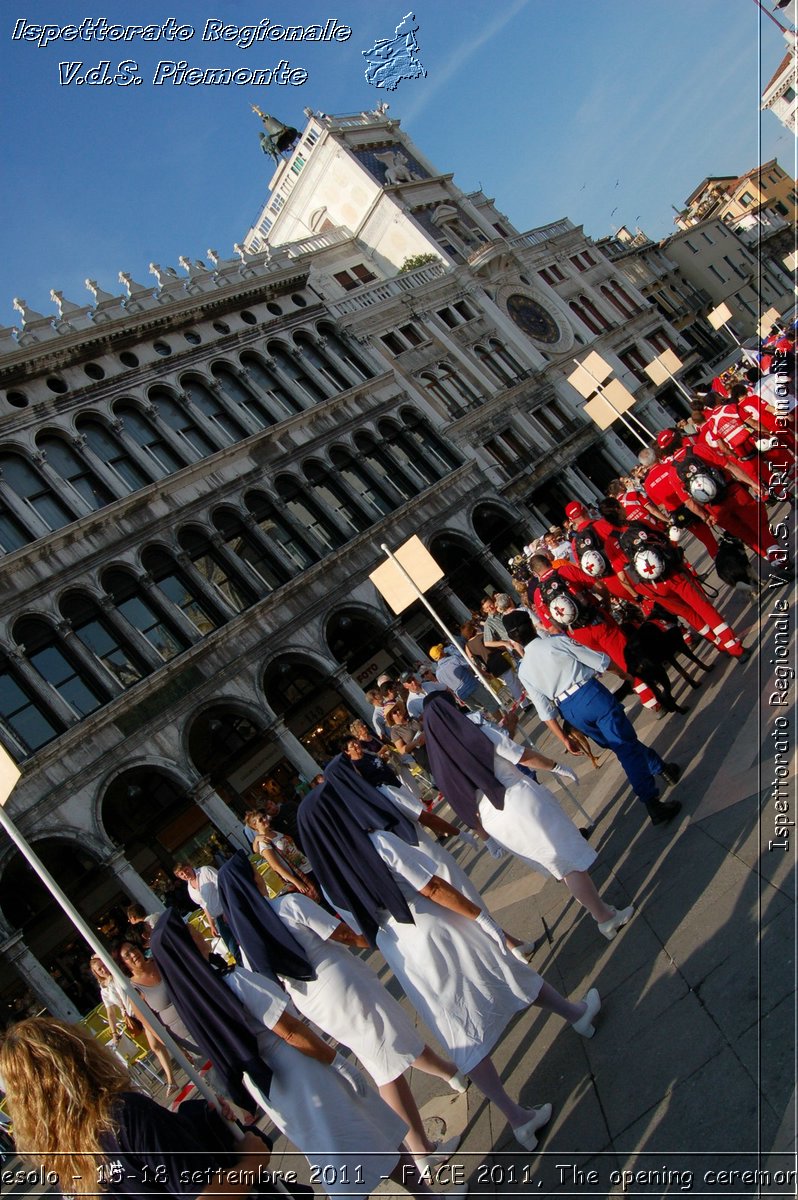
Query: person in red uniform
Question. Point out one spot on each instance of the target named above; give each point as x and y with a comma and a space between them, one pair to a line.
724, 431
675, 590
663, 489
636, 504
733, 509
594, 565
593, 627
775, 439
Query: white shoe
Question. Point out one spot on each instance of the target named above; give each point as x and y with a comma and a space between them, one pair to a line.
619, 917
525, 1134
524, 951
459, 1082
427, 1163
584, 1026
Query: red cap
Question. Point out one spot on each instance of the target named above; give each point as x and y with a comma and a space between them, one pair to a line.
667, 438
574, 510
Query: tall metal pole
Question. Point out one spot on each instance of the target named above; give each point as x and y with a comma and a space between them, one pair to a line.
120, 979
438, 620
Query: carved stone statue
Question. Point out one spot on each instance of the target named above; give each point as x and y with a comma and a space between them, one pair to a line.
398, 168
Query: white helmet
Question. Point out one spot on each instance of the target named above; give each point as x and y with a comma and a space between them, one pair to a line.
563, 610
649, 563
675, 533
702, 488
593, 564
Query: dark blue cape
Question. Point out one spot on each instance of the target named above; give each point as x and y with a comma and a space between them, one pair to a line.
267, 942
218, 1023
335, 820
461, 758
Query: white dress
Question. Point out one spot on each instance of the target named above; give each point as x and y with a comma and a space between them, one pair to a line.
447, 866
352, 1141
453, 973
347, 1000
531, 825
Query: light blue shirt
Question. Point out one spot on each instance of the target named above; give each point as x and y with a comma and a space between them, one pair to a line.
552, 665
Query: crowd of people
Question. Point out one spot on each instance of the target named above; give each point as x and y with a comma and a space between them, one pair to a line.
365, 862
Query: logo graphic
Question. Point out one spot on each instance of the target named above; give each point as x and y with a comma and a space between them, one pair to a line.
390, 60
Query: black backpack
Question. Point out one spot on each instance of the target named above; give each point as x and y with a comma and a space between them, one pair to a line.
650, 555
566, 608
590, 553
703, 483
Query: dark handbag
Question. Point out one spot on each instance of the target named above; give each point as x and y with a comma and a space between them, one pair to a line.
133, 1026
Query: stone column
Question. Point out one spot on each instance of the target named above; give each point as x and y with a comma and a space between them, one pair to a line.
27, 517
289, 385
176, 615
94, 667
107, 475
128, 633
273, 549
47, 695
498, 569
461, 611
353, 695
340, 364
409, 646
132, 882
313, 372
16, 952
471, 366
295, 752
214, 601
218, 813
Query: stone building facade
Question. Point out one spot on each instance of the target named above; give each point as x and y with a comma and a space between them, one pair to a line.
195, 479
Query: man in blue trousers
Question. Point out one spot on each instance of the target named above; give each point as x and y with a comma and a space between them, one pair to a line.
560, 674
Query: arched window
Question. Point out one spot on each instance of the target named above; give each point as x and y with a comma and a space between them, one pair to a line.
237, 538
113, 454
290, 367
27, 483
595, 313
28, 722
213, 566
334, 498
345, 352
219, 419
510, 361
414, 465
373, 498
66, 463
338, 382
584, 316
272, 524
133, 604
159, 453
192, 439
306, 511
384, 466
96, 633
495, 368
13, 534
615, 301
55, 664
236, 392
177, 590
426, 441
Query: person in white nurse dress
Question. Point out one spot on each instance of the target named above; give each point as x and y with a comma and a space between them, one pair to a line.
448, 953
478, 769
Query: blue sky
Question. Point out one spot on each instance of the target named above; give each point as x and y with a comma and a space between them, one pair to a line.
606, 111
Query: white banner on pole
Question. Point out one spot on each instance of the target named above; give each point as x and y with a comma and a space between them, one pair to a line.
663, 367
422, 568
9, 775
767, 321
589, 373
719, 316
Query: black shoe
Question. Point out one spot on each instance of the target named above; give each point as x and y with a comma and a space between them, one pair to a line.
661, 811
671, 772
744, 657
